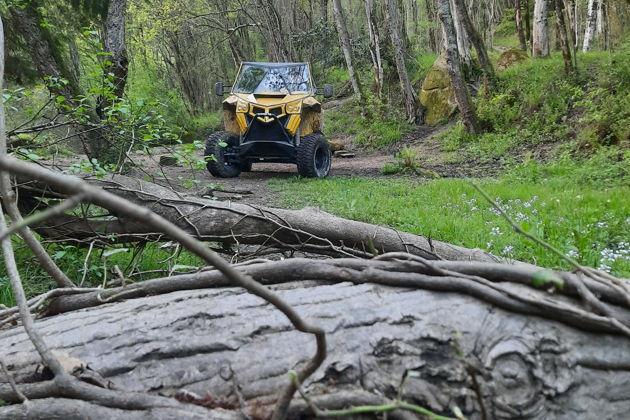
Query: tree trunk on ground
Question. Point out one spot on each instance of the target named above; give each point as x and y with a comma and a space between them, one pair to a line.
482, 53
346, 47
540, 42
591, 25
374, 45
200, 345
308, 230
519, 26
561, 30
464, 103
412, 105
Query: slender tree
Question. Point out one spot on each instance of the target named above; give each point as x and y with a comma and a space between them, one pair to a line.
346, 47
412, 105
374, 45
519, 25
561, 30
463, 46
482, 53
591, 25
462, 96
540, 42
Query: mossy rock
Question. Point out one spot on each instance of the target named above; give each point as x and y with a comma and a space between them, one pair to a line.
511, 57
335, 145
437, 93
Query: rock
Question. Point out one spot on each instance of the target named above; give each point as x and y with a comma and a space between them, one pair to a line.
335, 145
511, 57
343, 154
437, 93
168, 161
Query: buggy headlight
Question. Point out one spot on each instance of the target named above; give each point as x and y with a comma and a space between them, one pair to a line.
294, 107
242, 107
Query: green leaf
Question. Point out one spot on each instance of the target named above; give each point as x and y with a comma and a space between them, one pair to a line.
223, 144
542, 278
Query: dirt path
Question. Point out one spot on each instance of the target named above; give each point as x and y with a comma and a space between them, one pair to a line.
252, 187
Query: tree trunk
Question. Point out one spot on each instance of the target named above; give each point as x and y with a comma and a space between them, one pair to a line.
562, 36
309, 229
412, 105
323, 10
346, 48
463, 47
374, 45
591, 25
519, 26
203, 344
114, 44
464, 103
471, 32
540, 43
528, 23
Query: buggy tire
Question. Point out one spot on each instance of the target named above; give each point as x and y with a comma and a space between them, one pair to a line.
217, 165
313, 156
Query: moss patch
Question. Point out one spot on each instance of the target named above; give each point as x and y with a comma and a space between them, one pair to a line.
437, 93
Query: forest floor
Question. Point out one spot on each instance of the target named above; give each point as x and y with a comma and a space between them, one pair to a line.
253, 187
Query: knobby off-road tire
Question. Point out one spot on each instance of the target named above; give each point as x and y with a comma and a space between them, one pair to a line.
313, 156
217, 166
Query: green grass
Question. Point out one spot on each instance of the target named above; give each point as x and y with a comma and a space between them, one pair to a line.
590, 224
379, 127
70, 260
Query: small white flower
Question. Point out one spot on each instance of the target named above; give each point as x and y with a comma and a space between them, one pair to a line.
507, 250
496, 231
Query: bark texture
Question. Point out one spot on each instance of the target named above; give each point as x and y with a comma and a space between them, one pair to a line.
201, 341
309, 229
540, 42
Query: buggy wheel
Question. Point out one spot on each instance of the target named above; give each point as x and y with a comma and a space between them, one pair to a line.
313, 156
215, 155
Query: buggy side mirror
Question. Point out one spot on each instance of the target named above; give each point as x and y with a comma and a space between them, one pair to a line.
328, 90
218, 88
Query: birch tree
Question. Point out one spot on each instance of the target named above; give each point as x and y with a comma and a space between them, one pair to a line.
591, 25
540, 42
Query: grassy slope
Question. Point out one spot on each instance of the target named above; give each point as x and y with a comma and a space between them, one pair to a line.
577, 199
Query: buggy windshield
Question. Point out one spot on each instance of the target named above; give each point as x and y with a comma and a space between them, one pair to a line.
268, 78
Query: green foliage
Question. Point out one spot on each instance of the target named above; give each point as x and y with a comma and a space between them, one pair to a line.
536, 103
98, 267
588, 223
379, 126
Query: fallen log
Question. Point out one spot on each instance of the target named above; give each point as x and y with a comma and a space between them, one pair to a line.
309, 230
466, 351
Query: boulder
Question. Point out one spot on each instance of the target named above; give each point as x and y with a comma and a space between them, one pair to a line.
511, 57
437, 93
